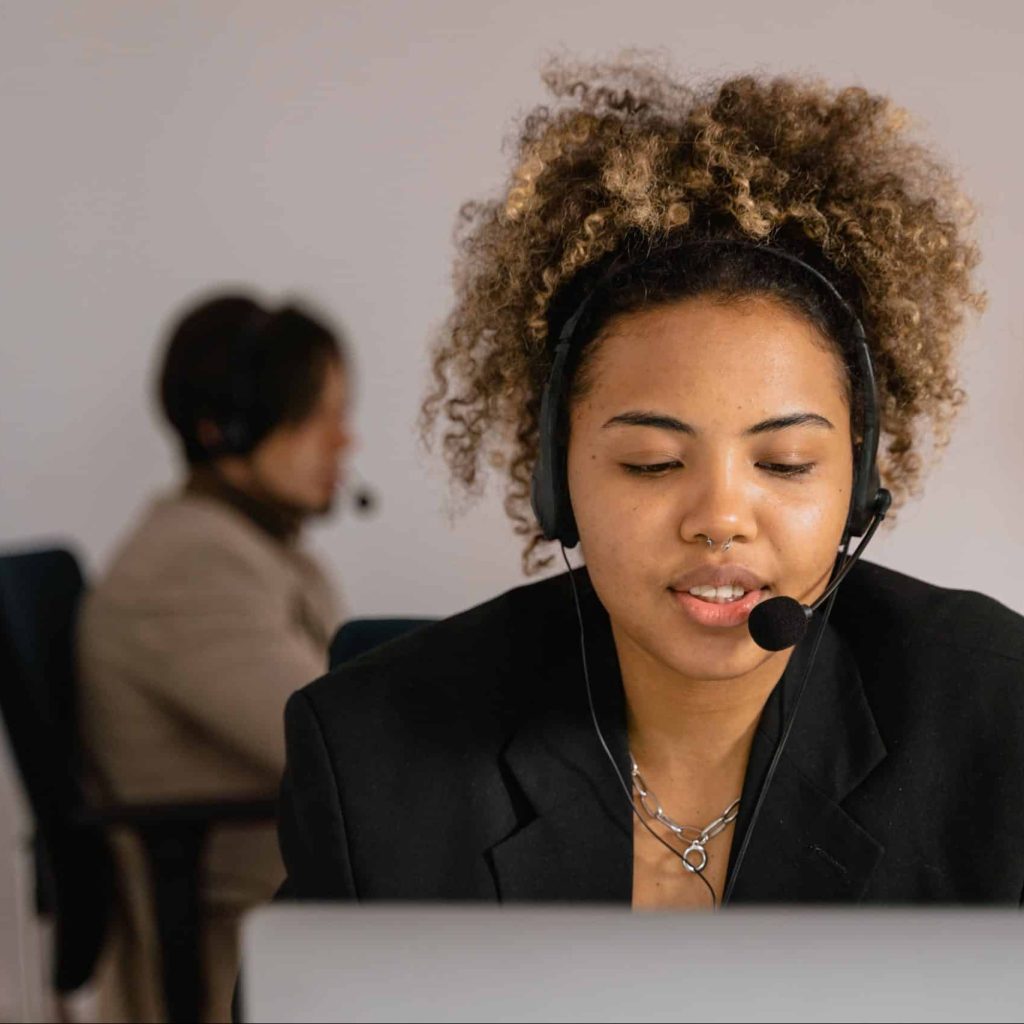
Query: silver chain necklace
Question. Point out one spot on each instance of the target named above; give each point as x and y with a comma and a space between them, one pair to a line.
696, 837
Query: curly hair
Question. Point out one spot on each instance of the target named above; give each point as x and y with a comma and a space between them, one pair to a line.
625, 152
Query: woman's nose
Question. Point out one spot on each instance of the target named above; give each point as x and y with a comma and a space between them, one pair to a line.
718, 506
343, 438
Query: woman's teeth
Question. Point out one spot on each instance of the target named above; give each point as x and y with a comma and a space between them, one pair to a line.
718, 595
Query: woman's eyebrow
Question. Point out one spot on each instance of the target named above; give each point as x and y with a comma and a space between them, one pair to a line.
795, 419
662, 421
651, 419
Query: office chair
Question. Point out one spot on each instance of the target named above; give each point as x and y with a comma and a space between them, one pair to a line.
357, 636
75, 871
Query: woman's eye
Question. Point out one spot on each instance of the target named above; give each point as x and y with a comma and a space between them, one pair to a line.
786, 468
651, 468
661, 468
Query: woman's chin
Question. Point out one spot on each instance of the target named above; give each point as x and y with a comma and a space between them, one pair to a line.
694, 653
717, 666
323, 507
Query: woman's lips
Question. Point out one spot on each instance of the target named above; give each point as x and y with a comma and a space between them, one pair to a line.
730, 613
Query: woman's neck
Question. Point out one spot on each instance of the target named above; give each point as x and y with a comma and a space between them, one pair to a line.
273, 517
685, 728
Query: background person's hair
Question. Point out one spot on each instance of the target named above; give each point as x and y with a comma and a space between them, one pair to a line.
627, 156
229, 357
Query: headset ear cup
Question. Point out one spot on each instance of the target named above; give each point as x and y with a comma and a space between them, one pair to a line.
869, 497
565, 522
243, 427
540, 499
879, 505
235, 436
550, 501
549, 487
864, 513
865, 496
858, 522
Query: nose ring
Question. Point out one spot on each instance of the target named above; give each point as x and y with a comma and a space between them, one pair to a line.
710, 543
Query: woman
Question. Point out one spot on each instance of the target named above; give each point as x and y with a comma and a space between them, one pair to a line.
659, 330
212, 613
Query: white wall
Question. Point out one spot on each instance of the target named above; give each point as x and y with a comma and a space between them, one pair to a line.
152, 150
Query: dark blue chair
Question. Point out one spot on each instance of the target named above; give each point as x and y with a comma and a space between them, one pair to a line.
353, 638
357, 636
39, 597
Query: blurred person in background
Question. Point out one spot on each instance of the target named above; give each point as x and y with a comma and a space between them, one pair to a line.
211, 615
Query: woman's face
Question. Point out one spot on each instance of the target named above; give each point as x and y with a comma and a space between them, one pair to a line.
301, 464
705, 419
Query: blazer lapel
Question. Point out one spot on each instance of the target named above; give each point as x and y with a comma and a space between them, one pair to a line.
574, 840
805, 847
572, 835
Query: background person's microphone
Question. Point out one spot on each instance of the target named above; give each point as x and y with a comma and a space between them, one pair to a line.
358, 495
780, 622
364, 500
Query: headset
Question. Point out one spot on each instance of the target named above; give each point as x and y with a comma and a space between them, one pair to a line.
240, 429
549, 492
869, 503
246, 422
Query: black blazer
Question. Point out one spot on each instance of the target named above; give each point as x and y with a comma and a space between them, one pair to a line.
460, 762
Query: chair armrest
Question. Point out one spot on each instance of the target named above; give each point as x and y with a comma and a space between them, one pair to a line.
201, 812
173, 836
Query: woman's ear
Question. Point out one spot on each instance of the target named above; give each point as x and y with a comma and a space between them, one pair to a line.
209, 435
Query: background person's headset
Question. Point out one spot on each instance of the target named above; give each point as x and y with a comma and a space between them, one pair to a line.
776, 623
246, 421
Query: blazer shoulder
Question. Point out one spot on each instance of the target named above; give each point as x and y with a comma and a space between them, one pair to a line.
875, 602
460, 660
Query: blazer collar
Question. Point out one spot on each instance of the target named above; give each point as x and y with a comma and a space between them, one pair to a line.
577, 841
573, 840
805, 846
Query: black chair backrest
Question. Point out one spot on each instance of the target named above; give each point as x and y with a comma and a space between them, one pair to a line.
39, 596
357, 636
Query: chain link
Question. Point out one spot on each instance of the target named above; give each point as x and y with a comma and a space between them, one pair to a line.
697, 838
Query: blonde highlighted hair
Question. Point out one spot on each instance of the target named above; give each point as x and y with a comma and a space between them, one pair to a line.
625, 151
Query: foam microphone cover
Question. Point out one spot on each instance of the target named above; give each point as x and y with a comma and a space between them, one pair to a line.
778, 623
364, 501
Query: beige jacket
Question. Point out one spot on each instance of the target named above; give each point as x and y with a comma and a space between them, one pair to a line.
189, 648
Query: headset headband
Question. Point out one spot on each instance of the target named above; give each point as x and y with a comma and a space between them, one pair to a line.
549, 491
